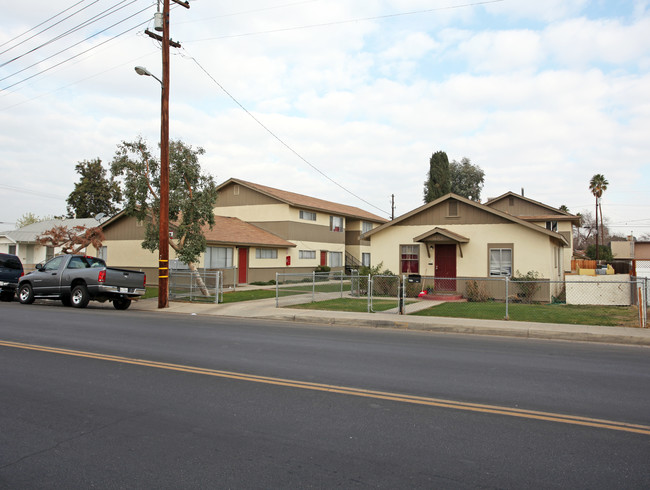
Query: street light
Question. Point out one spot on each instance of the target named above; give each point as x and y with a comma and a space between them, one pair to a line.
141, 70
163, 220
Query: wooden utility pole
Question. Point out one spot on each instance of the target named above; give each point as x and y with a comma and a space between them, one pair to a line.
163, 245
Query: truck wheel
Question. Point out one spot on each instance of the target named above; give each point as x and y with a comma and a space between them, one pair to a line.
26, 294
66, 300
80, 296
121, 303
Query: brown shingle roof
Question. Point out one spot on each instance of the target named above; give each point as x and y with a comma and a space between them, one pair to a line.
302, 201
233, 231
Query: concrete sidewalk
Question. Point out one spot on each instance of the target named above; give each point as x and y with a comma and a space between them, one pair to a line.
265, 309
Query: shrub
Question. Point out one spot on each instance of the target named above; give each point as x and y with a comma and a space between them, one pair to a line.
527, 285
475, 292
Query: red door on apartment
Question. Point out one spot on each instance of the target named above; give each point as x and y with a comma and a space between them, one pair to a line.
243, 266
445, 267
323, 257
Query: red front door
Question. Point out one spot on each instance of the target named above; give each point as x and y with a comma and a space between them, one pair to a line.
445, 267
323, 257
243, 266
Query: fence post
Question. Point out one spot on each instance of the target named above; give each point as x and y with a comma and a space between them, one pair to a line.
369, 292
313, 286
507, 297
277, 290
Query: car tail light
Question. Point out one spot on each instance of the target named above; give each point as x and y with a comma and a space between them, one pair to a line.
102, 276
144, 281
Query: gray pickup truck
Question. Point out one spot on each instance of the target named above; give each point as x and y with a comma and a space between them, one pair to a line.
76, 279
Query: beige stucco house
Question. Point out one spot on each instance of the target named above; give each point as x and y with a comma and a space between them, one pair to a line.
258, 231
455, 237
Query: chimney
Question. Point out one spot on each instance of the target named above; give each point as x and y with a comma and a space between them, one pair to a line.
522, 192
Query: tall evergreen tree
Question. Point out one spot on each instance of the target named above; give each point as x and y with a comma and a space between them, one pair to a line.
94, 193
437, 183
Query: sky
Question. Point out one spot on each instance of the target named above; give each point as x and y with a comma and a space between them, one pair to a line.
344, 101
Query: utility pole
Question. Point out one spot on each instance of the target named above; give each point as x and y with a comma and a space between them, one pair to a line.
163, 239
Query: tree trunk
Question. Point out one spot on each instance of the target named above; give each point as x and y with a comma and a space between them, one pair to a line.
199, 280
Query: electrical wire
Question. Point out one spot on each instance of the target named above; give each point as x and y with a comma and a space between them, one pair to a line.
280, 140
72, 30
348, 21
39, 25
76, 44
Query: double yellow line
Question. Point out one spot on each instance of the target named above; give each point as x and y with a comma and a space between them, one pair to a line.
343, 390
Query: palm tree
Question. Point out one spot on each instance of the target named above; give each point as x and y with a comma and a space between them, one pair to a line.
597, 185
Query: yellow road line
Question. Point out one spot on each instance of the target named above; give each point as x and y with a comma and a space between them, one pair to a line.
396, 397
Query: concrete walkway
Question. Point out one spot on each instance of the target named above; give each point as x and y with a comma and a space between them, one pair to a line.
265, 309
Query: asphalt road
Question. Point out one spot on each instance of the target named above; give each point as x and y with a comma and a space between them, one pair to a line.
226, 403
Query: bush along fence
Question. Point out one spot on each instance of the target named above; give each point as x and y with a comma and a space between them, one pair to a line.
409, 293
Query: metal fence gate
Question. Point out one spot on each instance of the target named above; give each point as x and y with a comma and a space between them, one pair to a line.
201, 285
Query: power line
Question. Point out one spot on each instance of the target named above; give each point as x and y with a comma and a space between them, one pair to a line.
39, 25
76, 55
349, 21
282, 142
76, 44
86, 23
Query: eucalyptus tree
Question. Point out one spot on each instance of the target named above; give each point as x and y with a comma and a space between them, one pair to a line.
192, 196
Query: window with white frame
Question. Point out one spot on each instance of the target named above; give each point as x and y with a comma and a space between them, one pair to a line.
102, 253
218, 257
12, 249
336, 259
365, 226
365, 259
336, 223
308, 215
500, 262
266, 253
307, 254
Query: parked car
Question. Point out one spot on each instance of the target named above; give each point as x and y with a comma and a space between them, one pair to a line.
11, 270
77, 279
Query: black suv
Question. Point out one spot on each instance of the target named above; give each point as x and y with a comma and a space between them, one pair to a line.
11, 269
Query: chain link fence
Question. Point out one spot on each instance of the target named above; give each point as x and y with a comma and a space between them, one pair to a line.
200, 285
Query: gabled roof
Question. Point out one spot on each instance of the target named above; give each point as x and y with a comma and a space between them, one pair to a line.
307, 202
554, 214
233, 231
29, 233
496, 212
441, 232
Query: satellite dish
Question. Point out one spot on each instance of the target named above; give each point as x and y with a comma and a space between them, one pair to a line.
99, 216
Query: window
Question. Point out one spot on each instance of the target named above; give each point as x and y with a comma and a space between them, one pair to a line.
365, 259
218, 257
266, 253
336, 223
453, 208
336, 259
551, 225
500, 261
12, 249
102, 253
410, 259
54, 264
235, 190
307, 254
308, 215
365, 227
49, 253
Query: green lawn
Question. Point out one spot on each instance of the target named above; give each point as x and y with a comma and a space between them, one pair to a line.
625, 316
347, 304
234, 296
